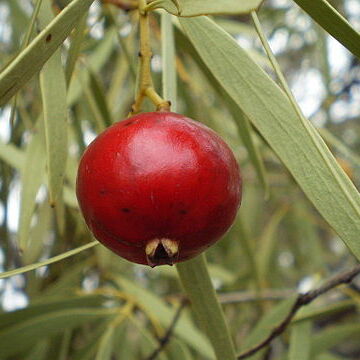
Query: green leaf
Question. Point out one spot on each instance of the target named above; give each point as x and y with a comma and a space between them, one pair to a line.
195, 280
75, 47
311, 312
149, 343
156, 306
95, 61
12, 155
38, 234
267, 245
52, 260
300, 341
34, 56
242, 122
98, 95
53, 91
169, 76
268, 322
204, 7
297, 143
32, 177
26, 333
333, 22
49, 305
332, 336
105, 348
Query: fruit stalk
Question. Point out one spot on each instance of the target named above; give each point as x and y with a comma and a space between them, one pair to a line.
196, 281
146, 87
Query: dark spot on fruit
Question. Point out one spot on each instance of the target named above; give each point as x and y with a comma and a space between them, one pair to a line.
125, 210
102, 192
183, 212
129, 123
48, 38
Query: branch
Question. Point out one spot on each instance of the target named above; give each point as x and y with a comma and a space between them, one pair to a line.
166, 338
303, 299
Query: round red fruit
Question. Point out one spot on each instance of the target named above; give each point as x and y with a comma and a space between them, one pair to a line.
158, 188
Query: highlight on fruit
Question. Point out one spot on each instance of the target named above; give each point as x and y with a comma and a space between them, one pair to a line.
158, 188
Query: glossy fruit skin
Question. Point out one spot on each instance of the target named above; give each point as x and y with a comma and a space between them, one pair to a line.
158, 175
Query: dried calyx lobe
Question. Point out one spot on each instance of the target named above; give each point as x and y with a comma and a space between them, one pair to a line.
158, 188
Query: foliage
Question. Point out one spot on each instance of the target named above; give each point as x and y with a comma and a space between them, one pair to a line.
69, 72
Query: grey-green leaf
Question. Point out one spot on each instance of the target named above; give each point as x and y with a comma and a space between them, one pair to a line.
26, 333
53, 91
297, 143
105, 347
300, 341
34, 56
32, 176
333, 22
205, 7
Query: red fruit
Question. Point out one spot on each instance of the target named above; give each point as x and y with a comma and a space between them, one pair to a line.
158, 188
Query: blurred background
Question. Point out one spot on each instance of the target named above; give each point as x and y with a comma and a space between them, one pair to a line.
278, 245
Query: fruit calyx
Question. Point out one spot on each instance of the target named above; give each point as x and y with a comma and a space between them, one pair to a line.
161, 252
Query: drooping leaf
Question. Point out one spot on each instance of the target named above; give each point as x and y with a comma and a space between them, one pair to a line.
156, 306
300, 341
204, 7
105, 348
296, 143
332, 336
32, 176
53, 91
24, 334
268, 323
12, 155
241, 120
34, 56
169, 76
95, 61
333, 22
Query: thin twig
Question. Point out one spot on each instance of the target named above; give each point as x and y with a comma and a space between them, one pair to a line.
303, 299
166, 338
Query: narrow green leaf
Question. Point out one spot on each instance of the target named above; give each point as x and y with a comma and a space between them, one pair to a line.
32, 176
49, 305
241, 120
318, 312
267, 244
75, 47
95, 61
333, 22
53, 91
197, 284
203, 7
105, 347
332, 336
38, 234
12, 155
48, 261
34, 56
296, 142
268, 322
247, 137
169, 78
300, 341
26, 333
98, 94
150, 343
39, 351
157, 308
